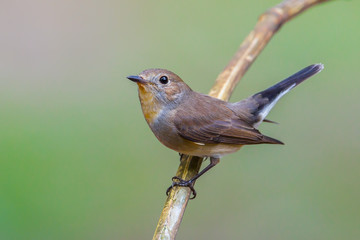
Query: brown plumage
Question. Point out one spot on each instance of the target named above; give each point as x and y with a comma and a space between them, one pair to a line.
199, 125
220, 126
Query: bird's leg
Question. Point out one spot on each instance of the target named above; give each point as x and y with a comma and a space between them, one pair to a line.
190, 183
181, 155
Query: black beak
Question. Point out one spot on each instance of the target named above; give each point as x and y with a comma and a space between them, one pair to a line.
137, 79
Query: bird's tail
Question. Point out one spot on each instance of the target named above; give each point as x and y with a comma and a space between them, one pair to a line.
260, 104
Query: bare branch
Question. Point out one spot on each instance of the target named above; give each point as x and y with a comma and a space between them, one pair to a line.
268, 24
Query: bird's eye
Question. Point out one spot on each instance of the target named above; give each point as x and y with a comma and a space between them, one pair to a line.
164, 79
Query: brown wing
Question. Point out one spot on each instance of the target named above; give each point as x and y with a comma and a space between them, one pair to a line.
216, 125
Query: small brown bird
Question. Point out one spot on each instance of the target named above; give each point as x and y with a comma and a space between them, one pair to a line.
199, 125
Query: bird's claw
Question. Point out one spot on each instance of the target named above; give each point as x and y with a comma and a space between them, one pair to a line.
182, 183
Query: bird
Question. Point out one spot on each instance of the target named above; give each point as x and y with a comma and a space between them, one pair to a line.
196, 124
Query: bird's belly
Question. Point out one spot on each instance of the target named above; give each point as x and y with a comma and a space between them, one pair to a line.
208, 150
168, 136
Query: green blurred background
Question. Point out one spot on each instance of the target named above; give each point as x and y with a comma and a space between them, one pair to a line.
78, 161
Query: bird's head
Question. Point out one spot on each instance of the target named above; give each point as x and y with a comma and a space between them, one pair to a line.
161, 85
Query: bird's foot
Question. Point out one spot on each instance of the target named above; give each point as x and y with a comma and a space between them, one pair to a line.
182, 183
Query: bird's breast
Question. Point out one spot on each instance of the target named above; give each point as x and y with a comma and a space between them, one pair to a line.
150, 107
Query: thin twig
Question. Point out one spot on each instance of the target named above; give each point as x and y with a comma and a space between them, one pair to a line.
268, 24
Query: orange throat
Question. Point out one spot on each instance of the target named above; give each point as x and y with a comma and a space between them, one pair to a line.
149, 104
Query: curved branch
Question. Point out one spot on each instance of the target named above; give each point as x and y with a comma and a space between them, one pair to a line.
268, 24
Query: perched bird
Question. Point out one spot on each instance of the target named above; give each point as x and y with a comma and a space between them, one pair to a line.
195, 124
